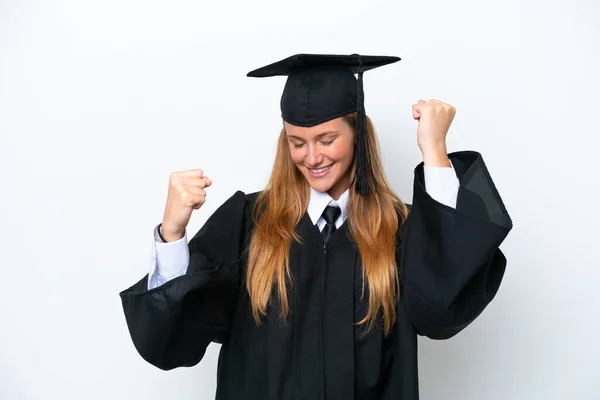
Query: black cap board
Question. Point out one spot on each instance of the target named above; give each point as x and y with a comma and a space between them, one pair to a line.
322, 87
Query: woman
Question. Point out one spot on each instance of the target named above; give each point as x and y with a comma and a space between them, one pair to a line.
318, 286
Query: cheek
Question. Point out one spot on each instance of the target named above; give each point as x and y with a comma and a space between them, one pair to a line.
297, 155
342, 152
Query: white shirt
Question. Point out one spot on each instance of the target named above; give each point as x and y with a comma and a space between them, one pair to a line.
319, 201
170, 260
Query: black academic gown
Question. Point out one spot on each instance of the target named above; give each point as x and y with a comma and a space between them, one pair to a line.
450, 268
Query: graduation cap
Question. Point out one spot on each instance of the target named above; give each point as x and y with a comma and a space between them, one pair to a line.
322, 87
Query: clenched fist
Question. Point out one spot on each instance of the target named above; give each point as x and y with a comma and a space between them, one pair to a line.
434, 118
186, 194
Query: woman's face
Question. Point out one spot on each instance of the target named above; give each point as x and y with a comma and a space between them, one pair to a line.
324, 154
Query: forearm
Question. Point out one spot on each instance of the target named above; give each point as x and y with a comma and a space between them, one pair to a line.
436, 156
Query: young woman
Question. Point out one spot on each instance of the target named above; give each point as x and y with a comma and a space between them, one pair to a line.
318, 286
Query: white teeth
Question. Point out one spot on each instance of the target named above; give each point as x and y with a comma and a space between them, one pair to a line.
318, 171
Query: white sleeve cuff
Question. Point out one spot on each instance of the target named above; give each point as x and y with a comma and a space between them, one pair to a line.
441, 183
168, 260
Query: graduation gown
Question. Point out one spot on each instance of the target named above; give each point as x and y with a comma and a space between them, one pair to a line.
450, 268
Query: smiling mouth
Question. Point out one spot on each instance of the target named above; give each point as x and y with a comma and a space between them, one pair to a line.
319, 170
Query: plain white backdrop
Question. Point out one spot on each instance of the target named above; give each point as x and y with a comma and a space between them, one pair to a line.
101, 101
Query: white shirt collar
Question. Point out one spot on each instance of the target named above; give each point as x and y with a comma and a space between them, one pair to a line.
320, 200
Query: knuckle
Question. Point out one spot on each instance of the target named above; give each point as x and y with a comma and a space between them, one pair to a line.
184, 195
180, 188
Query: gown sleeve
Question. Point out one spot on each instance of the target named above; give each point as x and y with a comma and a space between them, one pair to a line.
172, 325
451, 263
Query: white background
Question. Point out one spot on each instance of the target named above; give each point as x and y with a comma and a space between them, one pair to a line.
101, 100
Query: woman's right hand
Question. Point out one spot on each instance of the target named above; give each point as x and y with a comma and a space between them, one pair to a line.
186, 194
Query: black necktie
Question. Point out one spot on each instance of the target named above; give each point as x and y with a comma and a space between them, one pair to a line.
330, 215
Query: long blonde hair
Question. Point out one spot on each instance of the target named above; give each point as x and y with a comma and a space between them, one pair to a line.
373, 221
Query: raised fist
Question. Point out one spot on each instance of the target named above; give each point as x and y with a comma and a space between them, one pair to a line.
186, 194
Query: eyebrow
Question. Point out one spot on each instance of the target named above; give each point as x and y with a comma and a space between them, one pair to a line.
320, 135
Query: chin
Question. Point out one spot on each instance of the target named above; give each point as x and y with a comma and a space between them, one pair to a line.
320, 187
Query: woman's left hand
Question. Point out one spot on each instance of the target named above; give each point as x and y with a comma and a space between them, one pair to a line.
434, 118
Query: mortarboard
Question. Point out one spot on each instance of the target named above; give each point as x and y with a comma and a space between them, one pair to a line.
322, 87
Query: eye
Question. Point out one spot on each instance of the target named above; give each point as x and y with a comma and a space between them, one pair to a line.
327, 143
298, 145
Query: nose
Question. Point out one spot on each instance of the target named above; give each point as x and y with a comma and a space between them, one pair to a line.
314, 157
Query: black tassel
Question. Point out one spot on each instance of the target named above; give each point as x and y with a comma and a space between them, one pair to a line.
364, 170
